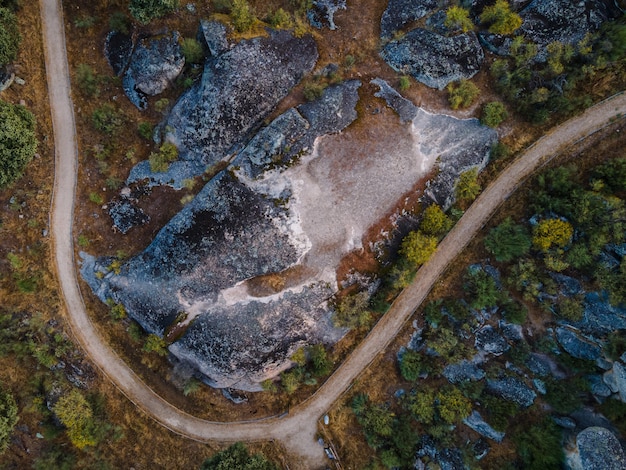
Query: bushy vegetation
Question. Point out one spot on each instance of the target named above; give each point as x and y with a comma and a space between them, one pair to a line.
237, 457
508, 241
17, 141
160, 161
500, 18
145, 11
418, 247
494, 113
462, 94
9, 36
107, 119
242, 16
458, 17
8, 418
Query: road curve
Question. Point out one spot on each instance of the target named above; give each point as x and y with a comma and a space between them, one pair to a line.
296, 430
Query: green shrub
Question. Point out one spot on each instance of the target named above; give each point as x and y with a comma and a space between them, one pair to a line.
452, 405
462, 94
192, 50
119, 22
321, 364
500, 17
499, 150
156, 344
280, 19
494, 113
85, 22
107, 119
458, 18
514, 312
615, 411
571, 308
352, 311
18, 142
145, 11
314, 91
146, 130
404, 83
616, 344
539, 446
508, 241
9, 37
418, 247
160, 161
8, 418
412, 365
242, 16
467, 187
86, 80
237, 457
434, 221
96, 198
74, 411
291, 379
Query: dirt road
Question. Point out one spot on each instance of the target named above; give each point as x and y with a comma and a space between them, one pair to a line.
296, 430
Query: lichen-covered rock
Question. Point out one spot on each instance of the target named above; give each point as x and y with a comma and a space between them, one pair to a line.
600, 317
126, 214
619, 378
476, 422
6, 78
400, 13
459, 144
512, 389
213, 35
462, 371
490, 341
324, 10
434, 59
154, 65
576, 345
238, 89
597, 387
597, 448
118, 48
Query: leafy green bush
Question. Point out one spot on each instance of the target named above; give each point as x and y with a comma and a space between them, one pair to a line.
9, 36
107, 119
76, 414
192, 50
85, 22
418, 247
17, 141
462, 94
314, 91
412, 365
514, 312
145, 130
434, 221
500, 17
458, 18
145, 11
242, 16
321, 364
452, 405
280, 19
616, 344
508, 241
539, 446
481, 289
494, 113
404, 83
156, 344
552, 232
237, 457
119, 22
352, 311
87, 80
8, 418
160, 161
467, 187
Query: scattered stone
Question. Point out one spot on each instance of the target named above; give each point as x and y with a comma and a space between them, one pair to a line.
20, 81
476, 422
154, 65
6, 78
512, 389
567, 285
433, 59
511, 331
598, 448
463, 371
576, 345
600, 317
610, 381
619, 376
481, 448
488, 340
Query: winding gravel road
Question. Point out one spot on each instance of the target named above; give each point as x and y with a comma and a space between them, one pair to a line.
297, 429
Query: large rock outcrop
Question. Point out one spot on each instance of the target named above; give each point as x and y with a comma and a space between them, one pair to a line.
434, 59
597, 448
238, 89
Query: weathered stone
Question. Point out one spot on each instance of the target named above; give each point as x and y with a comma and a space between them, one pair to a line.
600, 317
118, 48
490, 341
239, 88
400, 13
540, 386
481, 448
567, 285
154, 65
512, 389
433, 59
597, 386
564, 422
598, 448
126, 214
6, 78
511, 331
212, 34
619, 375
476, 422
236, 396
576, 345
324, 10
462, 371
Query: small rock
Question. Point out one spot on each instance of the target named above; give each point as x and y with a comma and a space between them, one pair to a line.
490, 341
476, 422
20, 81
540, 386
597, 386
564, 422
462, 371
481, 448
512, 389
576, 345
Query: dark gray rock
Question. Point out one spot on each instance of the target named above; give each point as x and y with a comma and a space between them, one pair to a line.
598, 448
540, 386
239, 88
401, 13
619, 376
481, 448
543, 365
597, 386
212, 34
433, 59
6, 78
512, 389
564, 422
567, 285
126, 214
236, 396
577, 345
154, 65
324, 11
459, 144
511, 331
476, 422
118, 48
462, 371
600, 317
490, 341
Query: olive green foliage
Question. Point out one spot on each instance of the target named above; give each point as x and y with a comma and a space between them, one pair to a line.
493, 114
452, 405
499, 412
9, 36
321, 364
462, 94
481, 289
412, 365
192, 50
508, 241
87, 80
500, 18
156, 344
539, 446
559, 55
566, 396
421, 405
119, 22
145, 130
499, 150
107, 119
571, 308
616, 344
76, 414
552, 233
242, 16
237, 457
615, 410
467, 187
313, 91
404, 83
8, 418
352, 311
612, 173
280, 19
145, 11
418, 247
376, 420
445, 343
17, 141
514, 312
160, 161
458, 18
434, 221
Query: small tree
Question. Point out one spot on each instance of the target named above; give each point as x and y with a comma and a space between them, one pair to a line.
435, 222
192, 50
352, 311
453, 405
242, 16
155, 344
87, 80
494, 113
467, 187
418, 247
107, 119
237, 457
552, 232
76, 414
462, 94
8, 418
500, 18
17, 141
145, 11
421, 406
160, 161
508, 241
482, 289
458, 18
9, 36
411, 365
